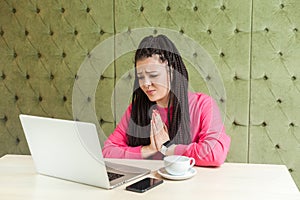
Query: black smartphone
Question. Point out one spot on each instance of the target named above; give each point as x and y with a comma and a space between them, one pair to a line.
144, 185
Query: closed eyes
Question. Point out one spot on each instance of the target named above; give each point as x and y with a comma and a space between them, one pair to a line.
150, 76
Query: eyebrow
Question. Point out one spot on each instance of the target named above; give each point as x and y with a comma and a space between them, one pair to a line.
149, 72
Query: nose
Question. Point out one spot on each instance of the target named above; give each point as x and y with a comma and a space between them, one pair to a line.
147, 82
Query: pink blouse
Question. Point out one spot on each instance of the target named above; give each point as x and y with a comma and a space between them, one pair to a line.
209, 145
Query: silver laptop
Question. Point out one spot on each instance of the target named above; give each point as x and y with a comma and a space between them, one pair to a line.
71, 150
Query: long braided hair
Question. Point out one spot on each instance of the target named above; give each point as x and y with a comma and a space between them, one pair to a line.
138, 132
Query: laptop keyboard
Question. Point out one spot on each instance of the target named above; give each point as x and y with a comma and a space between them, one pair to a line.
113, 176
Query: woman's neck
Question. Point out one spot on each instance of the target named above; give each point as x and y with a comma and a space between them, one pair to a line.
163, 103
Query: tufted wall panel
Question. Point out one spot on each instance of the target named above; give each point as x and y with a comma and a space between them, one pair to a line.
43, 44
275, 95
241, 52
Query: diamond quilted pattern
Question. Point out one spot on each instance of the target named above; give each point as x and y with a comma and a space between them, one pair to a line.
244, 53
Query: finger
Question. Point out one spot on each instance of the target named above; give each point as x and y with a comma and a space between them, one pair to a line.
159, 123
167, 132
153, 116
151, 128
152, 131
156, 116
152, 139
154, 127
166, 128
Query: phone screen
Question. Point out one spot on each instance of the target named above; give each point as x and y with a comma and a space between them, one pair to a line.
144, 185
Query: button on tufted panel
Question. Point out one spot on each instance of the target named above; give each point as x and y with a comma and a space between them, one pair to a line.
275, 89
42, 45
223, 30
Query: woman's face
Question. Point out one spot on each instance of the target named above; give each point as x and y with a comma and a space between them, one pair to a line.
153, 76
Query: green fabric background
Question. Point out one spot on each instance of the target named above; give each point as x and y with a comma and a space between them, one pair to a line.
253, 44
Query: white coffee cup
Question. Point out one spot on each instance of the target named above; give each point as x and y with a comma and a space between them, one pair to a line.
178, 165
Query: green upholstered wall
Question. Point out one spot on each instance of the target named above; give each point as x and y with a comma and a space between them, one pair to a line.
274, 134
44, 46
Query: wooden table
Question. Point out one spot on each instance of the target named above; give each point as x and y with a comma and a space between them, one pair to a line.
18, 180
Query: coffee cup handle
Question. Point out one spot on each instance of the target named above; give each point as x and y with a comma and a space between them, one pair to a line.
193, 162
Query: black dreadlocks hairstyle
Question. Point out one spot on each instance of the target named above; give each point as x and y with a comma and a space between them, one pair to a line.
138, 132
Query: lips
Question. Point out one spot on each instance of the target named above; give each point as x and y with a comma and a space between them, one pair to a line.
150, 92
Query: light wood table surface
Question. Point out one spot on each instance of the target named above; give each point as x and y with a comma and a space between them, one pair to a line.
19, 181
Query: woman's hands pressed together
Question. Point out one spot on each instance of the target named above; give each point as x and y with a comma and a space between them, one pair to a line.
158, 135
159, 130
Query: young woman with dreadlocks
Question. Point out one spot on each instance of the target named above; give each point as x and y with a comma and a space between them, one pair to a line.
164, 118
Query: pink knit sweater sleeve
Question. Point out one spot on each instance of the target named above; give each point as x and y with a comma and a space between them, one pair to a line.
116, 144
210, 143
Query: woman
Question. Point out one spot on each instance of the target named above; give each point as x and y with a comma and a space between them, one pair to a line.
164, 118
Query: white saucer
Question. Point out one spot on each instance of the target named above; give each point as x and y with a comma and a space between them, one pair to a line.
187, 175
